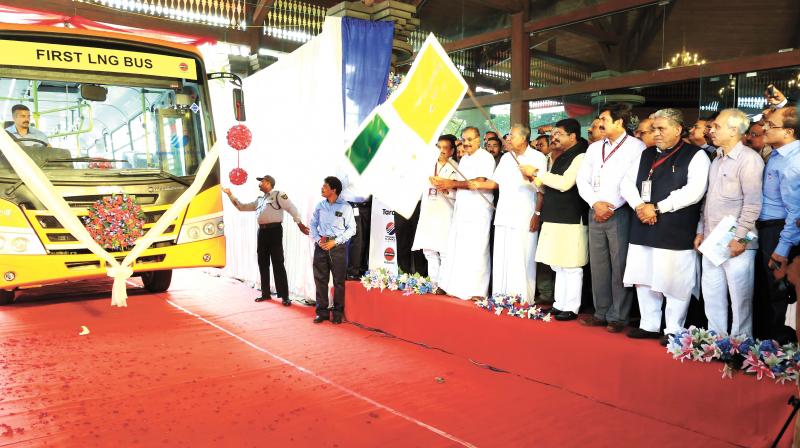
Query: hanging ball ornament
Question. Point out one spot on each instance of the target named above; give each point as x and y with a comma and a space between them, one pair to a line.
239, 137
238, 176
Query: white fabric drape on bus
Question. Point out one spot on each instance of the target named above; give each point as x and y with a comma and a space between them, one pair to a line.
294, 110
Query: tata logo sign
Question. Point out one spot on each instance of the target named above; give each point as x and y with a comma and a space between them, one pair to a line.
388, 212
390, 230
388, 254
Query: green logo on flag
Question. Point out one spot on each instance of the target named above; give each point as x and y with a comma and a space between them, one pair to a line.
367, 143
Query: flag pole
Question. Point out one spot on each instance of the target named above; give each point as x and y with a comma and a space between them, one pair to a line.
491, 123
450, 161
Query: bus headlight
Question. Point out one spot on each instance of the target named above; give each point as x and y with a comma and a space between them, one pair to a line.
19, 244
201, 229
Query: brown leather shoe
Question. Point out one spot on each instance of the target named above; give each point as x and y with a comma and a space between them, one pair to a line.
440, 292
615, 327
594, 322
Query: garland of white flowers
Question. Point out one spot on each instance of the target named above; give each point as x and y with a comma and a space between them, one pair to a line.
406, 283
514, 306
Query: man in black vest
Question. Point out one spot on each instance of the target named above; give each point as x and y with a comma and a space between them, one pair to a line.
564, 219
665, 190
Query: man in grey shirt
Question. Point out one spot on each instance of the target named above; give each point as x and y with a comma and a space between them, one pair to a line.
269, 208
21, 128
734, 188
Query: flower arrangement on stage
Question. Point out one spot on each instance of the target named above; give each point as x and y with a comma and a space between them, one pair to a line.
760, 358
514, 306
115, 222
394, 81
406, 283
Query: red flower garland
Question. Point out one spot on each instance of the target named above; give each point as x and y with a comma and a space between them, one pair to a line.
238, 176
239, 137
115, 222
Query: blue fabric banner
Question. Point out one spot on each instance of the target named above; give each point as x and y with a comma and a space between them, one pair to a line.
366, 59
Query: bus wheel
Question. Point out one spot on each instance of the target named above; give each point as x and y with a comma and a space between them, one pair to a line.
157, 281
6, 297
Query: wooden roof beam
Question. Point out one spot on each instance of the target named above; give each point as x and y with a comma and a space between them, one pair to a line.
260, 11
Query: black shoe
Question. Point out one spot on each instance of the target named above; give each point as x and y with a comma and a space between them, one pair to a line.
336, 320
262, 298
594, 322
664, 340
354, 277
319, 319
566, 315
309, 302
287, 302
638, 333
553, 311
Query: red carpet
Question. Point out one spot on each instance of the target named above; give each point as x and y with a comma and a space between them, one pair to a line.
154, 375
637, 376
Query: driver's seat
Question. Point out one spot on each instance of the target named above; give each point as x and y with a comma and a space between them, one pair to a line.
6, 124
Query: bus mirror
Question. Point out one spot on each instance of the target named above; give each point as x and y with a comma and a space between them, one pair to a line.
92, 92
238, 105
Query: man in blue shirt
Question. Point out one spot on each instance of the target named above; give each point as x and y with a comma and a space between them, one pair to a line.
779, 234
21, 128
332, 225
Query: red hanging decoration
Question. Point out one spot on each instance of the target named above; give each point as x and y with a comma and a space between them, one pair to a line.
239, 137
238, 176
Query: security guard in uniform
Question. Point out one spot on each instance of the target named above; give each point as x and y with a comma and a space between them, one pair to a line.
269, 208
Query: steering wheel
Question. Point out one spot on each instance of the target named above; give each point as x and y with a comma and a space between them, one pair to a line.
28, 139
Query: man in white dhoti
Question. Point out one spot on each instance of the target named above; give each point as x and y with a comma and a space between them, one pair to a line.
436, 211
516, 221
465, 270
665, 190
563, 239
734, 188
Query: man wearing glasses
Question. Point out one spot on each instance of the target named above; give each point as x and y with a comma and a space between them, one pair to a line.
776, 224
754, 138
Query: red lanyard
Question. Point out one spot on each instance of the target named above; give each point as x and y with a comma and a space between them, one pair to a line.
436, 168
658, 162
613, 150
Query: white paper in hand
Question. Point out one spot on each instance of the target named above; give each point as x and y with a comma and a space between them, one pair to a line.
715, 246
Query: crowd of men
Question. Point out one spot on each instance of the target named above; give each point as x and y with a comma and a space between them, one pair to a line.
631, 207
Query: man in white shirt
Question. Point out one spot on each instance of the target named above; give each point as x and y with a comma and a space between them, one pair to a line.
605, 165
21, 129
516, 221
664, 189
465, 271
734, 188
436, 211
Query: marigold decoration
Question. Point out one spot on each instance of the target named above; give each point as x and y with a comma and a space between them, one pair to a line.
115, 222
239, 138
238, 176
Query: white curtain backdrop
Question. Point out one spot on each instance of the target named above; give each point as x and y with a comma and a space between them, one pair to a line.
294, 110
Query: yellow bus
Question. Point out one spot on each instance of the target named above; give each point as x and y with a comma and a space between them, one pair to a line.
122, 115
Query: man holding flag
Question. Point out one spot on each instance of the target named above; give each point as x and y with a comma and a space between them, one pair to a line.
465, 271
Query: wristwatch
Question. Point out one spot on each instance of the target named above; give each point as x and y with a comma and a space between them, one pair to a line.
537, 213
655, 208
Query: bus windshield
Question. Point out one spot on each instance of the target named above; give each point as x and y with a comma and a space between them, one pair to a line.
143, 125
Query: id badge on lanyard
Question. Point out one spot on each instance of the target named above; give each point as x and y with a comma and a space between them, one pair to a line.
432, 193
596, 183
647, 187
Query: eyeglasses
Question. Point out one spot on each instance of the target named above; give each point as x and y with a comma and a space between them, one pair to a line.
767, 126
754, 134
